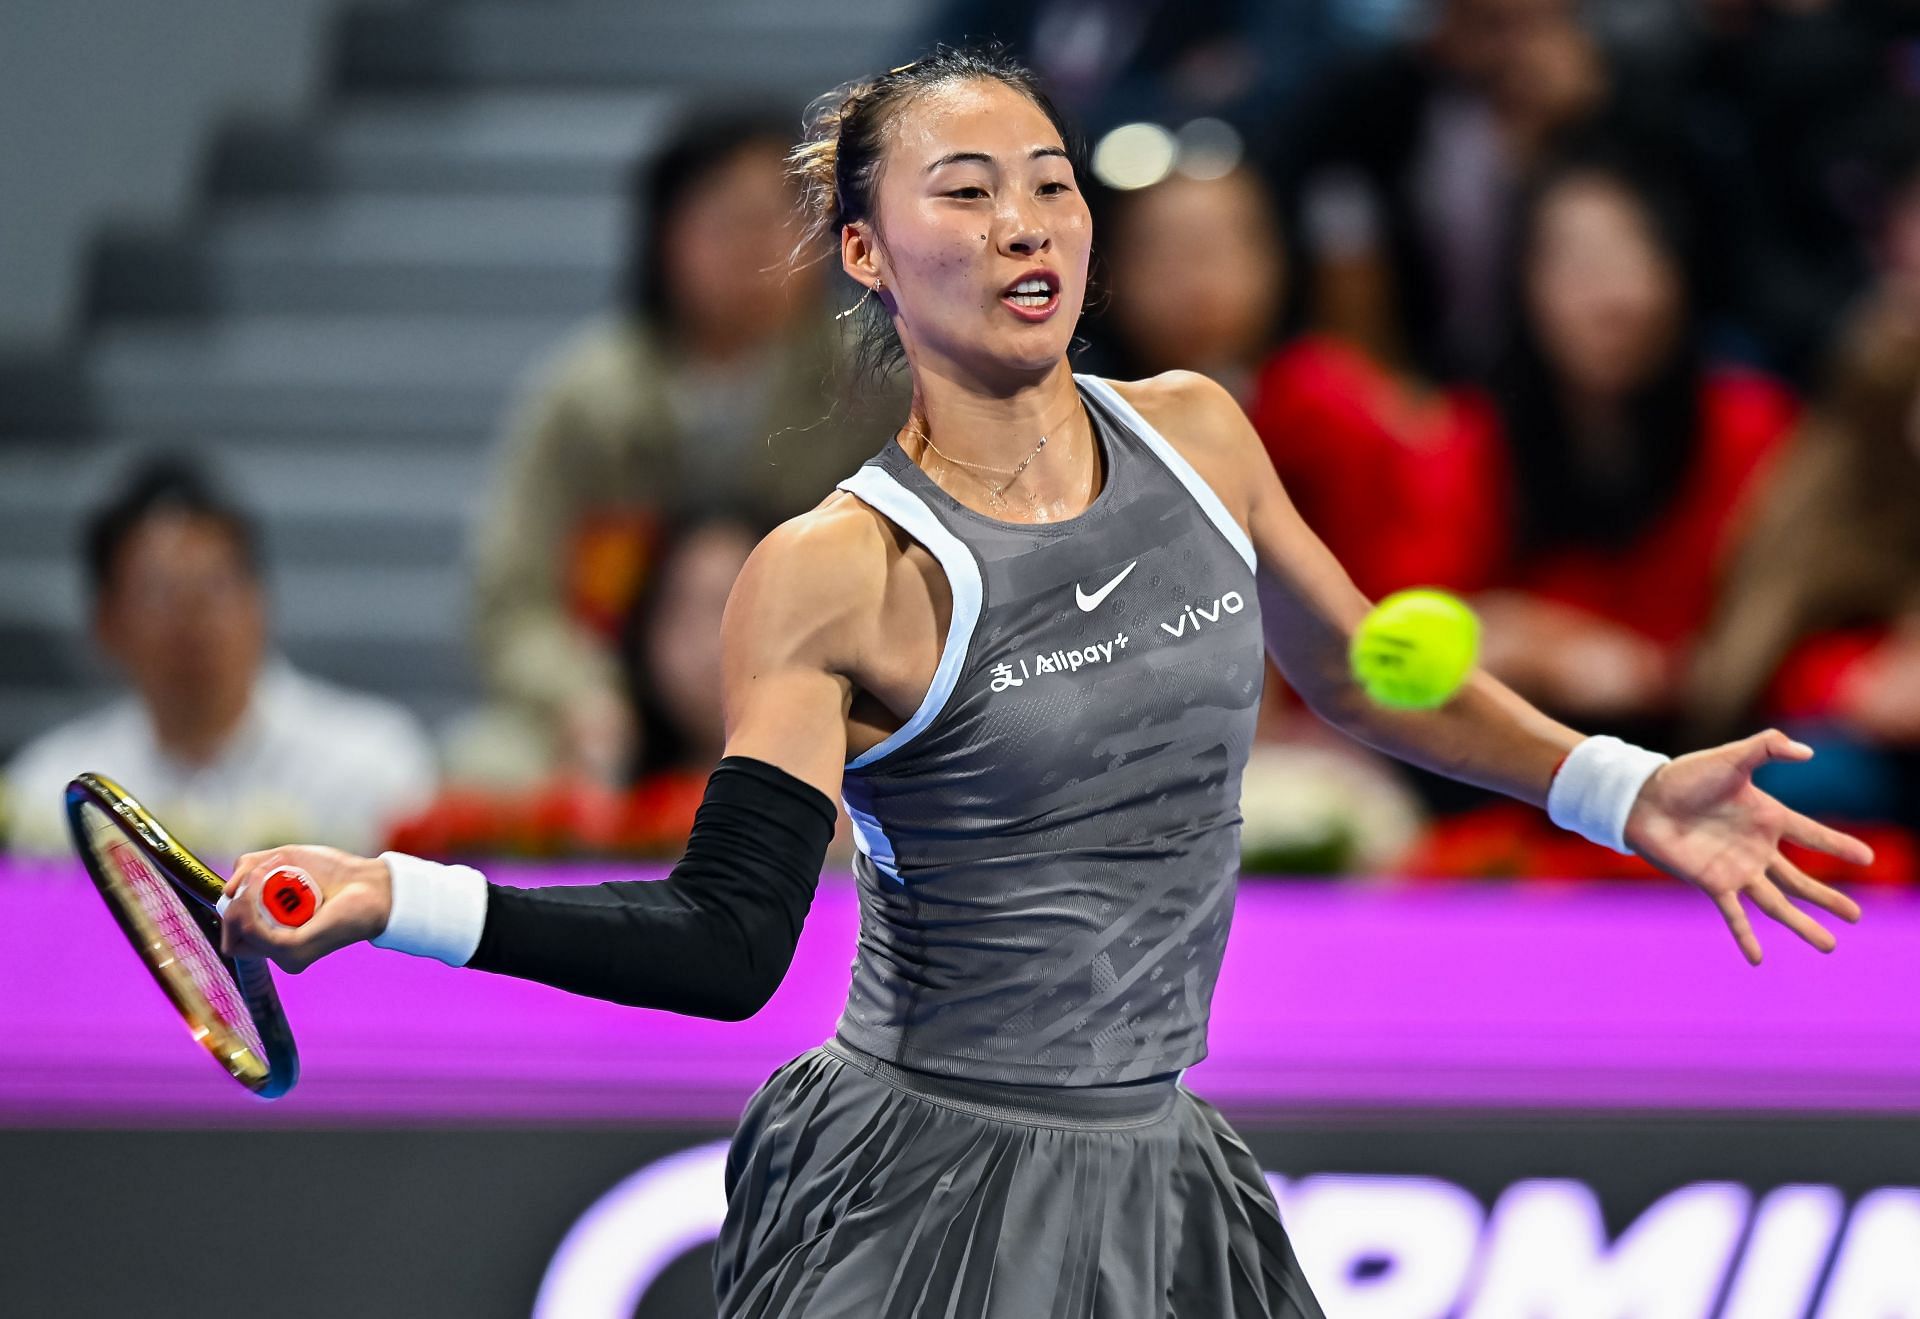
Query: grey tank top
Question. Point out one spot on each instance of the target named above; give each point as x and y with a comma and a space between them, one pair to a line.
1048, 847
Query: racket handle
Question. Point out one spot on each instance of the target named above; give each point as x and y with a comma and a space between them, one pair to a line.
287, 894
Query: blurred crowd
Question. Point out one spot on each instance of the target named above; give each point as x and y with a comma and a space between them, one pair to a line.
1606, 317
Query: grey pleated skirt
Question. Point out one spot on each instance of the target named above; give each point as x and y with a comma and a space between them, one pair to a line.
859, 1190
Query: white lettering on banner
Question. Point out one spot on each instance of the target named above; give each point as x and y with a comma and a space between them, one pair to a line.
1877, 1275
1383, 1247
1387, 1247
626, 1239
1547, 1254
1793, 1229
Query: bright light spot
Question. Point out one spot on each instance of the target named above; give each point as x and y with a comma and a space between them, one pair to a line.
1134, 156
1208, 148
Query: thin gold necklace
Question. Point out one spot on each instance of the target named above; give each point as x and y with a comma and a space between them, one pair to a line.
994, 492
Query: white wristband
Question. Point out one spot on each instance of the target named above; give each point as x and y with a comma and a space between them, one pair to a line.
438, 911
1595, 789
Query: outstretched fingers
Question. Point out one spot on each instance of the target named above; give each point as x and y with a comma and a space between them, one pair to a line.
1774, 903
1811, 833
1770, 745
1802, 885
1729, 904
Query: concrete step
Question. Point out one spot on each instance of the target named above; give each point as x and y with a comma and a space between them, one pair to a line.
478, 140
286, 375
316, 502
766, 49
358, 254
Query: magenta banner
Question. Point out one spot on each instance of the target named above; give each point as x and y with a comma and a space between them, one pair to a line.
1568, 997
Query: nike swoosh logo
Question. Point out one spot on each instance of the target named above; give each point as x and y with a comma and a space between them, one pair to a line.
1087, 602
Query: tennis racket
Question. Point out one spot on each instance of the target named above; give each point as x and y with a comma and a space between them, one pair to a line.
168, 903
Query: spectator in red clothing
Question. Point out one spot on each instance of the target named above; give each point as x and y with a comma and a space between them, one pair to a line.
1401, 482
1588, 499
1629, 457
1821, 620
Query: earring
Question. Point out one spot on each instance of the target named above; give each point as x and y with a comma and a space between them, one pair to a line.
871, 290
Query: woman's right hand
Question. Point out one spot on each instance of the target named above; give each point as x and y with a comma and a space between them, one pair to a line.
356, 897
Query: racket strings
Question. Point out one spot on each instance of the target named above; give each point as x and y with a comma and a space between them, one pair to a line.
187, 944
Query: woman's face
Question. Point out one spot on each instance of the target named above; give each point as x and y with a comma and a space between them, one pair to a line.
682, 645
975, 201
726, 242
1603, 294
1197, 272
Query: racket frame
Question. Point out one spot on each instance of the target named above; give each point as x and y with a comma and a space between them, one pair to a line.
268, 1073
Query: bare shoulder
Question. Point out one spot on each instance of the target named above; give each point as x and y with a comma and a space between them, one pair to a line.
1194, 411
1200, 418
814, 583
833, 631
1173, 392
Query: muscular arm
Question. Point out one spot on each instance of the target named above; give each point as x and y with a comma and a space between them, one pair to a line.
716, 936
1487, 735
1699, 818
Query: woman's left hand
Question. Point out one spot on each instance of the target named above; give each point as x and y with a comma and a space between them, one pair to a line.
1701, 818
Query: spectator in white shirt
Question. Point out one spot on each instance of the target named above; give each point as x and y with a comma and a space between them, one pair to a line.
228, 745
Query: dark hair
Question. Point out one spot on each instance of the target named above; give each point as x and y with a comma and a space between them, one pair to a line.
663, 744
161, 486
838, 162
1560, 503
704, 143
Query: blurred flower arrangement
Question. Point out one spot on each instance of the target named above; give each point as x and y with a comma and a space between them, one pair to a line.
1308, 810
565, 819
1320, 810
1510, 840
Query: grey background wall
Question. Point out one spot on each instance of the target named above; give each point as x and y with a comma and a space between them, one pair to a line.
106, 106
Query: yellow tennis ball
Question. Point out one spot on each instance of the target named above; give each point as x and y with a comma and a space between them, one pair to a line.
1414, 649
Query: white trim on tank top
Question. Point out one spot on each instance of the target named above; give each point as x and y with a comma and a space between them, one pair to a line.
872, 840
1182, 470
906, 510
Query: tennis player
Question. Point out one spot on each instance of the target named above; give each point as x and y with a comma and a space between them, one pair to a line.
1024, 644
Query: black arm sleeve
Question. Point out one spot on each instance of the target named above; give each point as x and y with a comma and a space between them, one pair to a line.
712, 939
